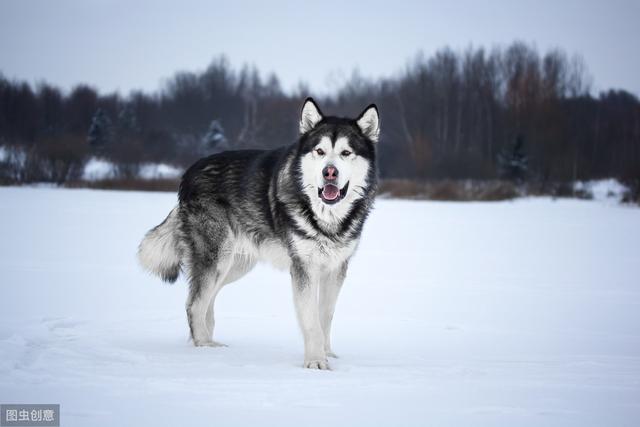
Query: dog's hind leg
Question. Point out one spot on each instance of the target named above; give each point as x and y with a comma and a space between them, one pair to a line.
203, 288
209, 319
209, 263
330, 286
241, 265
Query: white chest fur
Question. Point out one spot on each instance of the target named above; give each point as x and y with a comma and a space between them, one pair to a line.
322, 251
318, 251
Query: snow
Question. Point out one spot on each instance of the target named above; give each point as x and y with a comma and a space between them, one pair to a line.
97, 169
604, 189
12, 154
464, 314
159, 171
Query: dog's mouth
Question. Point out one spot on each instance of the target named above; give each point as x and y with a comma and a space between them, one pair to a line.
331, 194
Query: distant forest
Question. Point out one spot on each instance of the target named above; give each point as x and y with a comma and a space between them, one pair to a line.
453, 115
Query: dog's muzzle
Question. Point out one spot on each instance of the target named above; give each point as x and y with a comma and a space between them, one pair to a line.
331, 194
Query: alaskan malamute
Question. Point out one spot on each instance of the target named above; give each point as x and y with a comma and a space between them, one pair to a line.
301, 207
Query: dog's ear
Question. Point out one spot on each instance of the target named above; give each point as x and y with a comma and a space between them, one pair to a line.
369, 122
310, 117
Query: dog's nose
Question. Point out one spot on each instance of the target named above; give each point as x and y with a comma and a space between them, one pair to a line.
330, 173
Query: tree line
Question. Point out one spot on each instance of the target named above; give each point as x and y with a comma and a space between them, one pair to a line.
454, 114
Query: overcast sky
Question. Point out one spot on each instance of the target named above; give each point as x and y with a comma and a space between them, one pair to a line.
124, 45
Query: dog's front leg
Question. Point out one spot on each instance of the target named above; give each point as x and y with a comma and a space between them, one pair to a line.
305, 295
330, 286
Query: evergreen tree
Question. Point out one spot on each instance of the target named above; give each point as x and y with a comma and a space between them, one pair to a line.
100, 131
127, 120
215, 139
513, 163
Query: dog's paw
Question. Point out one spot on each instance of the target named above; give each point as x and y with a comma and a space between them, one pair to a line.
322, 365
209, 343
331, 354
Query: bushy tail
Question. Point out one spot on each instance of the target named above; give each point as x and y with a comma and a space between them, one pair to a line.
159, 252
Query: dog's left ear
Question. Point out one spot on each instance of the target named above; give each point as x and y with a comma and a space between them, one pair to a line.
369, 122
310, 117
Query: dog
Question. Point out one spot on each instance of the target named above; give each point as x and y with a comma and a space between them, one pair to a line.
300, 207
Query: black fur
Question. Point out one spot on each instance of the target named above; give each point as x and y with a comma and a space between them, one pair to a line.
243, 187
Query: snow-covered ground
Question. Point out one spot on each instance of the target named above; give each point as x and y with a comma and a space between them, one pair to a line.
159, 171
523, 313
97, 169
610, 190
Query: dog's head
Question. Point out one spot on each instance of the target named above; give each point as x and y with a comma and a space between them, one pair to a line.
337, 157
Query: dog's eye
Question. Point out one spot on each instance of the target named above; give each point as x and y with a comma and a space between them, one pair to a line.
320, 152
346, 153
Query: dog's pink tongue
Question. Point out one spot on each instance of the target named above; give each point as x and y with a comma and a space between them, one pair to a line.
330, 192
